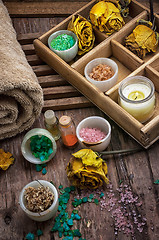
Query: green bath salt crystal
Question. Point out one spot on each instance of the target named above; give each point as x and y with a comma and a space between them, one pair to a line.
62, 42
41, 147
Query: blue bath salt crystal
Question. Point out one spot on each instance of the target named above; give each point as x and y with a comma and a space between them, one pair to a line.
62, 42
70, 222
30, 236
39, 232
44, 171
38, 167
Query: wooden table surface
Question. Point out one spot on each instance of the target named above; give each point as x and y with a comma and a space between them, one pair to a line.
134, 173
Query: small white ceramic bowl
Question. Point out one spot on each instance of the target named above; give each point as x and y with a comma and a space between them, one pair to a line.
69, 54
106, 84
95, 122
25, 146
47, 214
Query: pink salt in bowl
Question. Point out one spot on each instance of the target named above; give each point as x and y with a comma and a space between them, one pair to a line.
94, 133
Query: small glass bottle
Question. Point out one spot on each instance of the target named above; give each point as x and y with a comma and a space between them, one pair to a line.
52, 124
68, 131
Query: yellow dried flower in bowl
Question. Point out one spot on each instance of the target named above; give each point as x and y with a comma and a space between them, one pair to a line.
84, 32
87, 170
106, 17
142, 40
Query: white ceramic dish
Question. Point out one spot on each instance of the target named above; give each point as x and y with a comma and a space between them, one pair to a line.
25, 146
95, 122
47, 214
106, 84
69, 54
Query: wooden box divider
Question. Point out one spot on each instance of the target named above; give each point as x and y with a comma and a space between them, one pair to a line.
128, 63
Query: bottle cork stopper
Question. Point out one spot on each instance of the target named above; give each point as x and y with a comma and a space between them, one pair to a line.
49, 116
64, 120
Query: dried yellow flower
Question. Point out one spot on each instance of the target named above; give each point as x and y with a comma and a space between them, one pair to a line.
142, 40
84, 32
122, 5
86, 170
6, 159
106, 17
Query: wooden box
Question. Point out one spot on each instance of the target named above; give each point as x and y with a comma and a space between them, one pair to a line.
128, 63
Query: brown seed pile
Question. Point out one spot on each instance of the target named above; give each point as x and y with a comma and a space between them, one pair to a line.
38, 199
101, 72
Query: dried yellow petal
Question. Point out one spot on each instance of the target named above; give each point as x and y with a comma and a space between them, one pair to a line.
6, 159
86, 169
123, 6
142, 40
84, 31
106, 17
89, 158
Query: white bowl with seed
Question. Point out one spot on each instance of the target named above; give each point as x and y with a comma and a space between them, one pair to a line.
102, 72
31, 202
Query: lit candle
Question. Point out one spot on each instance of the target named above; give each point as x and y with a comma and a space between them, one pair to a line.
136, 96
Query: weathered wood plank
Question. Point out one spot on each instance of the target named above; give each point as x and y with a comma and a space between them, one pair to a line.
51, 81
28, 49
41, 70
27, 38
67, 103
42, 9
138, 170
60, 92
34, 60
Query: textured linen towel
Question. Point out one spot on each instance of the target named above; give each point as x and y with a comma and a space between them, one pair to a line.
21, 97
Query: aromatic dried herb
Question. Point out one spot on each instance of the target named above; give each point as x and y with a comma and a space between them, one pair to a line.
6, 159
38, 200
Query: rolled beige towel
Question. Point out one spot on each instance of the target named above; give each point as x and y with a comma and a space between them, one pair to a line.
21, 97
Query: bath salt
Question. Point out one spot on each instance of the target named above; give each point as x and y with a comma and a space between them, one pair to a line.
101, 72
92, 134
62, 42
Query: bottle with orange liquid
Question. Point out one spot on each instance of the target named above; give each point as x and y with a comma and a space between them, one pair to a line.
68, 131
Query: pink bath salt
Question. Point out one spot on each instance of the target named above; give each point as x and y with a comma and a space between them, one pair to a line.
91, 134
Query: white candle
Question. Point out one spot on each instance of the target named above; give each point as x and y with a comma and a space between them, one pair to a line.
136, 96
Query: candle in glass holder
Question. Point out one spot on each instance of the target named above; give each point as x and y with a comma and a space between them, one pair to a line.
136, 96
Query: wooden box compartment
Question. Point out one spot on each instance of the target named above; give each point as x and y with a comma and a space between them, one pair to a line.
121, 35
145, 133
136, 11
128, 64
